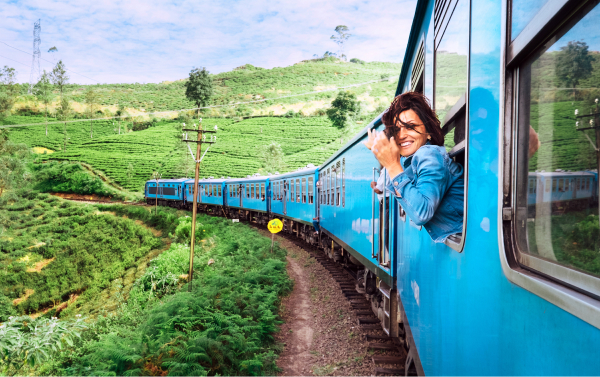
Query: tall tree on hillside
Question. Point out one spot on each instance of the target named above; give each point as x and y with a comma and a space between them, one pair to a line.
91, 99
59, 77
341, 38
199, 87
272, 158
574, 63
119, 113
43, 91
8, 90
344, 106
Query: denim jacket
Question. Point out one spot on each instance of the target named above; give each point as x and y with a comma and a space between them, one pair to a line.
431, 191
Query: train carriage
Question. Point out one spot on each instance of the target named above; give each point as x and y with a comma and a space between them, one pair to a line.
293, 199
248, 198
211, 194
168, 192
501, 299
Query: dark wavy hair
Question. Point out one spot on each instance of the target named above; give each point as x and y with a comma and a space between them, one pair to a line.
418, 103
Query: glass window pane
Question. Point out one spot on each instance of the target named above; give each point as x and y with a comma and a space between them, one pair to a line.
523, 11
310, 190
451, 64
558, 87
298, 190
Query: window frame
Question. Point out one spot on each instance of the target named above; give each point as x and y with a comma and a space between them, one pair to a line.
304, 190
575, 292
311, 189
454, 115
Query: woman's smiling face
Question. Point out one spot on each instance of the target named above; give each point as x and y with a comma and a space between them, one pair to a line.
410, 140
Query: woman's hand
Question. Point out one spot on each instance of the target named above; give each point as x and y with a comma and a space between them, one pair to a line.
371, 139
387, 153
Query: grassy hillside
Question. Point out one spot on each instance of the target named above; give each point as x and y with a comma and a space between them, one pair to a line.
246, 83
129, 159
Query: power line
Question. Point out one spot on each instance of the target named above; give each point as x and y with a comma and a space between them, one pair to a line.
15, 61
52, 63
199, 108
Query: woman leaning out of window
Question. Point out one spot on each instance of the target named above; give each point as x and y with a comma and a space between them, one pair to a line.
424, 179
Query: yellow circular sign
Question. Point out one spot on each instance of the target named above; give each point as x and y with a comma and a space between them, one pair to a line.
275, 226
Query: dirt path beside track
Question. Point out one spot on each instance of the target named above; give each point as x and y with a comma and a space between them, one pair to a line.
320, 332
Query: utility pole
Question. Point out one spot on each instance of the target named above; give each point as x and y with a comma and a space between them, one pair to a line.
156, 175
594, 125
200, 140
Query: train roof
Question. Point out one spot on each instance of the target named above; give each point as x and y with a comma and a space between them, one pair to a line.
206, 180
251, 178
174, 180
552, 174
308, 169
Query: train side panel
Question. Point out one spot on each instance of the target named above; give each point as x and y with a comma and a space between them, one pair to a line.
463, 314
300, 186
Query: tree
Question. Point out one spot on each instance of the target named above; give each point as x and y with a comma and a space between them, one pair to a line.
574, 63
341, 38
344, 106
9, 90
119, 113
91, 98
199, 87
272, 159
59, 77
43, 91
63, 111
130, 174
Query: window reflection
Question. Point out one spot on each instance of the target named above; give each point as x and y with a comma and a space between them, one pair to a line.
523, 11
451, 70
557, 198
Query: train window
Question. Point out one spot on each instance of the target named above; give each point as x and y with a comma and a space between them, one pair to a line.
343, 182
327, 186
303, 190
262, 191
523, 11
247, 191
338, 181
298, 190
311, 182
451, 71
557, 86
292, 187
219, 190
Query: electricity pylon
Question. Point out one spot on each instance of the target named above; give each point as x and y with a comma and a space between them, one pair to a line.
35, 63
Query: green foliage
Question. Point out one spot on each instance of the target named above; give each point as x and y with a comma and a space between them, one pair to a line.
273, 159
59, 77
56, 176
12, 163
8, 90
184, 230
165, 220
344, 106
199, 87
224, 326
27, 341
81, 251
357, 61
574, 63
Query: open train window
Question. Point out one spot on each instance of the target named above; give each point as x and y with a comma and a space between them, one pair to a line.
555, 116
451, 78
298, 194
311, 181
338, 183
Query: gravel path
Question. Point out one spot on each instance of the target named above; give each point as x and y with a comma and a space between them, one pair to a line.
320, 333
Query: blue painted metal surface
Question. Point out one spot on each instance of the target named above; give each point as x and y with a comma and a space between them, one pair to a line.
348, 209
211, 191
466, 317
168, 189
294, 195
252, 193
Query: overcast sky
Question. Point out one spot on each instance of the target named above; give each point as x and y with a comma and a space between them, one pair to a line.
151, 41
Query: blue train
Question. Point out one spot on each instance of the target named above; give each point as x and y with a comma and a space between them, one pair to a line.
505, 297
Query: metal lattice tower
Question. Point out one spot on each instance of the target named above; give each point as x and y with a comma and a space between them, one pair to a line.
35, 63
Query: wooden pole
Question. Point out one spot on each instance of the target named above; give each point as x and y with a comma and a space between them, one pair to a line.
272, 240
194, 205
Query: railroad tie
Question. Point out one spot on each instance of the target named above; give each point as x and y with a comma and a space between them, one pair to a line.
378, 359
383, 346
367, 320
392, 371
369, 337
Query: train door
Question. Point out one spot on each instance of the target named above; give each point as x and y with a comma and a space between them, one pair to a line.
285, 190
241, 193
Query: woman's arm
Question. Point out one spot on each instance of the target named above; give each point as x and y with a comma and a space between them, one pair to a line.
420, 200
